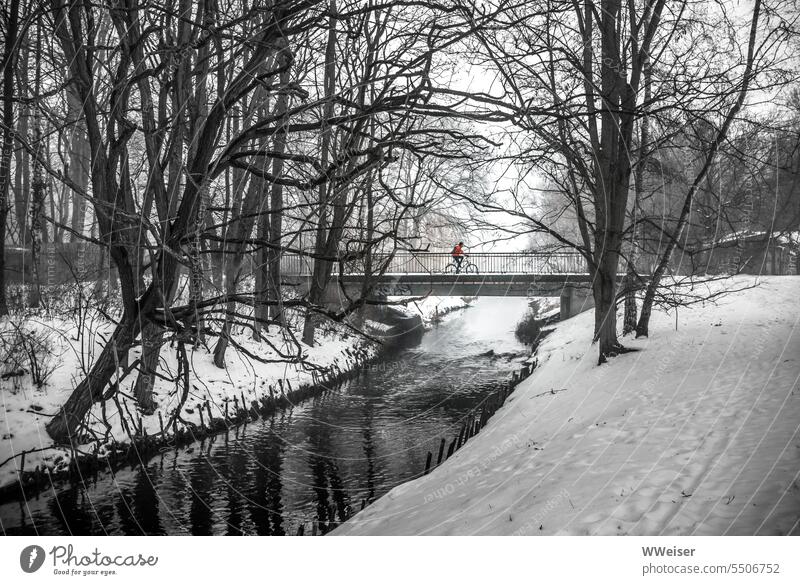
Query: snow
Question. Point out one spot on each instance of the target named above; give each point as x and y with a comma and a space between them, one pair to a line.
433, 308
696, 433
547, 307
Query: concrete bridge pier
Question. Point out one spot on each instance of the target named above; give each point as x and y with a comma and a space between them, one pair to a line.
333, 299
575, 300
398, 327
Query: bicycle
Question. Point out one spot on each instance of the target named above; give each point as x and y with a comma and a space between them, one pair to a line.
466, 267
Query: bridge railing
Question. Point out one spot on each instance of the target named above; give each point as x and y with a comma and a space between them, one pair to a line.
436, 262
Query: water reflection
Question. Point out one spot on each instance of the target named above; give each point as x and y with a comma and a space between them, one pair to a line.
310, 463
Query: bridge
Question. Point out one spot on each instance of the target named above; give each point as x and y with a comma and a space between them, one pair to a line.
504, 274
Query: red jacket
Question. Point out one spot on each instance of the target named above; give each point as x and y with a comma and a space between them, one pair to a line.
457, 251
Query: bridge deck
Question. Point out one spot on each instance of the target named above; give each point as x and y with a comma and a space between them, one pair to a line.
436, 263
515, 285
498, 274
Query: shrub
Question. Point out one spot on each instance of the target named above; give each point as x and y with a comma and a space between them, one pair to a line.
27, 350
529, 329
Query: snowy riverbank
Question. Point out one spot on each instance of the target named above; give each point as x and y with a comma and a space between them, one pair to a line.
214, 392
695, 433
433, 309
26, 409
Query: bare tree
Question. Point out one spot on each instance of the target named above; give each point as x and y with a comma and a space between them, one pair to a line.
575, 79
642, 326
8, 69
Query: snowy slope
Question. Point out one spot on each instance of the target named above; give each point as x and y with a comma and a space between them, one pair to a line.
696, 433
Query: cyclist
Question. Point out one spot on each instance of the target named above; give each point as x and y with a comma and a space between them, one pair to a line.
458, 255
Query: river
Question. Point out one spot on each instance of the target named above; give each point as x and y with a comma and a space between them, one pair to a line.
305, 463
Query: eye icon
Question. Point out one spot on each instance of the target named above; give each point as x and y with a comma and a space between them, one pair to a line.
31, 558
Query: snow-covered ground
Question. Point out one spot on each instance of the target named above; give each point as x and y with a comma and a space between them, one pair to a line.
547, 307
698, 432
434, 308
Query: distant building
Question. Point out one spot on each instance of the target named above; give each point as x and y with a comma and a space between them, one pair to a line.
750, 252
58, 263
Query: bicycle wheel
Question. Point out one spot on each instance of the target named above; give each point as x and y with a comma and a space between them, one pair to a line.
470, 269
450, 268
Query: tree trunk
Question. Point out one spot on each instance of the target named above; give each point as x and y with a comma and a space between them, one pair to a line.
369, 234
37, 207
152, 339
630, 282
65, 426
196, 269
79, 161
38, 186
276, 201
9, 68
22, 184
274, 255
322, 267
629, 286
234, 253
230, 277
605, 298
611, 183
260, 310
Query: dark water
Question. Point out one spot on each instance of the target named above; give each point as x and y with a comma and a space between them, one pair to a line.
304, 464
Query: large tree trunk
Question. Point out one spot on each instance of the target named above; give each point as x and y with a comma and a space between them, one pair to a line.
630, 283
79, 161
605, 298
611, 183
274, 255
276, 200
322, 268
261, 310
38, 229
246, 210
37, 208
196, 271
198, 114
9, 68
65, 426
22, 173
230, 277
261, 208
629, 286
234, 253
152, 339
369, 234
